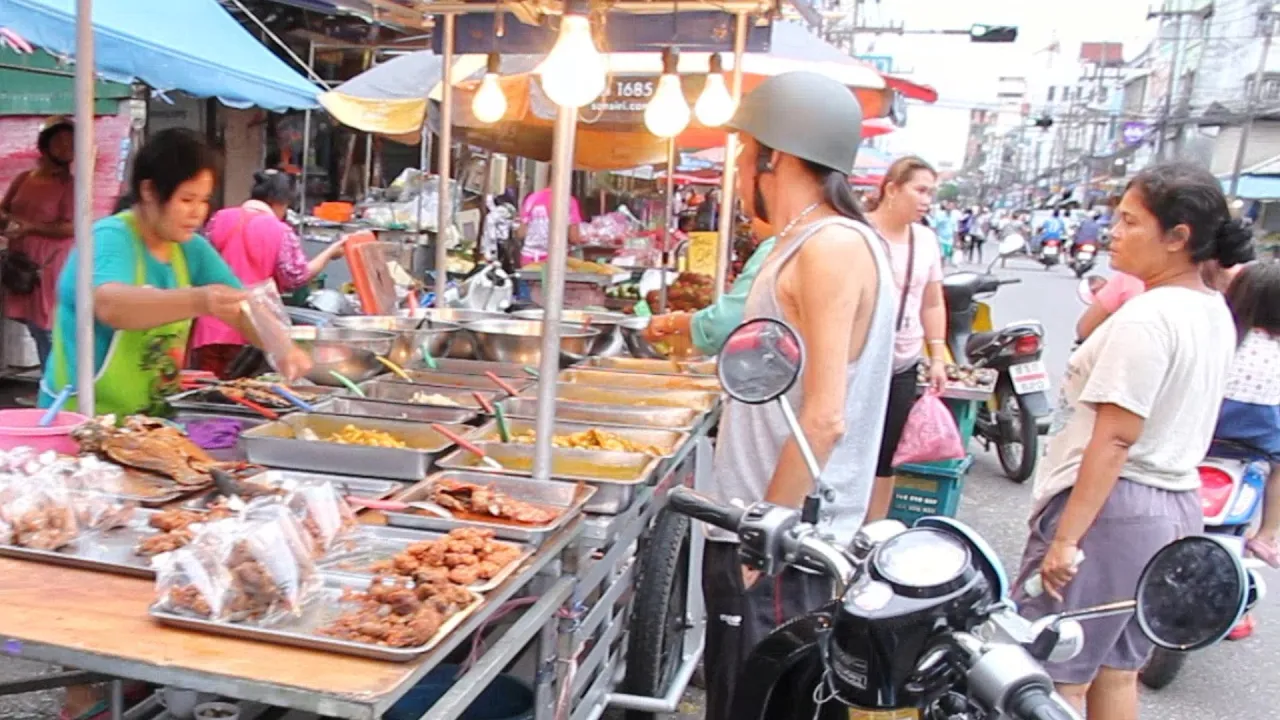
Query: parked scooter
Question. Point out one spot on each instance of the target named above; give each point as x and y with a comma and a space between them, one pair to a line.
1050, 253
1083, 256
1013, 418
920, 625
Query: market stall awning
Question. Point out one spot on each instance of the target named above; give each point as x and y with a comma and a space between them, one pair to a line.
188, 45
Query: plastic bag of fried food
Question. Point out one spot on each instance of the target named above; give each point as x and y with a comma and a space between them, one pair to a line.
40, 513
245, 568
321, 511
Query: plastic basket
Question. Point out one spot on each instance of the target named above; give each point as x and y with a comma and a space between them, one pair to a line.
922, 489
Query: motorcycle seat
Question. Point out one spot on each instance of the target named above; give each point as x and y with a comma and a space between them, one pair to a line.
980, 341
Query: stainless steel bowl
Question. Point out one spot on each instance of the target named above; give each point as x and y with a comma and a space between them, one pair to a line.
354, 353
407, 350
520, 341
464, 344
632, 330
606, 322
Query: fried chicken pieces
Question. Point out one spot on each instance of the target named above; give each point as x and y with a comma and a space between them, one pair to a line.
484, 500
464, 557
39, 520
396, 615
174, 525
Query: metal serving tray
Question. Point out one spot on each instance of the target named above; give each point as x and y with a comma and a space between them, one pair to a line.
357, 407
455, 366
371, 488
466, 382
667, 418
277, 445
568, 499
402, 392
609, 378
690, 399
649, 366
374, 544
614, 475
110, 551
668, 442
300, 631
207, 400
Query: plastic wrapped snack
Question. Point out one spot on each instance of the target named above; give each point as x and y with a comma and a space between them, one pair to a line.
98, 511
270, 321
271, 565
193, 581
41, 515
324, 513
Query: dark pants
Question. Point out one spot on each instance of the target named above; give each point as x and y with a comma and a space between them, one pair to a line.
903, 392
738, 619
44, 341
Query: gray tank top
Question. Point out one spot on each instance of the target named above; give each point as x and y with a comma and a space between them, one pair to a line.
751, 436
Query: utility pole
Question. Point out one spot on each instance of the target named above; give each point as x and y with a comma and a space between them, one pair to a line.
1266, 19
1175, 74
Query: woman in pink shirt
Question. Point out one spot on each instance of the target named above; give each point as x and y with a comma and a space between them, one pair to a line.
535, 225
259, 245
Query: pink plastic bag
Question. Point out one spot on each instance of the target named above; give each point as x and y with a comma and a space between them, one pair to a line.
930, 434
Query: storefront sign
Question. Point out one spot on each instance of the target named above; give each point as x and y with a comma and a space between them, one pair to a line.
1134, 133
710, 31
701, 257
621, 105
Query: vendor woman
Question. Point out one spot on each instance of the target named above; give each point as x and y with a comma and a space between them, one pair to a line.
152, 275
710, 327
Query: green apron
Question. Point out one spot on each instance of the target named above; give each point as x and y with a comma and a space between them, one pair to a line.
142, 367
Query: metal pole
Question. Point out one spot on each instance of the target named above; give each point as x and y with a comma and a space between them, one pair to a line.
1162, 140
306, 148
444, 197
424, 157
85, 371
553, 288
1254, 94
727, 215
669, 217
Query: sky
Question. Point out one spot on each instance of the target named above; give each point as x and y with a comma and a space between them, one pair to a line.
967, 73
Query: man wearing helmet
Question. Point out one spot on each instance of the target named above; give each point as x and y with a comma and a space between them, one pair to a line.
800, 134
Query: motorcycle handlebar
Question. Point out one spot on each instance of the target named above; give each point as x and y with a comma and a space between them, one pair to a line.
1037, 703
700, 507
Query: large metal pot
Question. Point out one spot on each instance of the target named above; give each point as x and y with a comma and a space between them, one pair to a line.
606, 322
520, 341
354, 353
464, 345
438, 335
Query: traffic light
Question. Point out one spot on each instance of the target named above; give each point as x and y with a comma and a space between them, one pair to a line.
993, 33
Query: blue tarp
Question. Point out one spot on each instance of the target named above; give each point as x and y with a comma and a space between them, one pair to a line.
188, 45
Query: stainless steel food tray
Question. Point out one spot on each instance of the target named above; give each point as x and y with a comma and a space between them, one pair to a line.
455, 366
357, 407
375, 544
326, 607
614, 475
668, 442
207, 400
402, 392
275, 444
570, 499
609, 378
650, 366
667, 418
467, 382
601, 395
110, 551
372, 488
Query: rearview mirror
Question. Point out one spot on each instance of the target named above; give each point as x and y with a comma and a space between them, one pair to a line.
1191, 594
760, 361
1012, 245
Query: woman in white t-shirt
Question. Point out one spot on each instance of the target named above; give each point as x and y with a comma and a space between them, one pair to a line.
1137, 412
921, 318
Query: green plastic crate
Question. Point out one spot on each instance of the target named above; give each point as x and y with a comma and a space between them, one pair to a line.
922, 489
966, 414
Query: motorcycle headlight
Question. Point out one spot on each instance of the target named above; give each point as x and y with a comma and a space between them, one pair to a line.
923, 562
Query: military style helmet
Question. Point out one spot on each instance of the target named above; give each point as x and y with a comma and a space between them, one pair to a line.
805, 114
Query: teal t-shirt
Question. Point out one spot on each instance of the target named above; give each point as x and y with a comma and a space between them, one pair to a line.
115, 257
711, 325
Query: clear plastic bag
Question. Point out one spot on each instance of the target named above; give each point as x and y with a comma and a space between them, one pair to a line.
100, 512
193, 581
41, 515
323, 512
270, 321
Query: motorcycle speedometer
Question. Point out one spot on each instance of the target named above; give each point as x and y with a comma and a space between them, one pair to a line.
923, 563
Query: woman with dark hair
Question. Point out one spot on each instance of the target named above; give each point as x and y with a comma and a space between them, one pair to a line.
921, 320
37, 210
1137, 412
152, 275
258, 245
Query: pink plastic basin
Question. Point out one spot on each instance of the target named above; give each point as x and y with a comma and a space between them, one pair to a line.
20, 427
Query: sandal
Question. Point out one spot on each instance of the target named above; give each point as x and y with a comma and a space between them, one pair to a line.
1266, 551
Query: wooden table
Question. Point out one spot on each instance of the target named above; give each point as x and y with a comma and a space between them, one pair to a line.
98, 622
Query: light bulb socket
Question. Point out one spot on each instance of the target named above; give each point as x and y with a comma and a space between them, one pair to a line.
493, 64
717, 65
670, 61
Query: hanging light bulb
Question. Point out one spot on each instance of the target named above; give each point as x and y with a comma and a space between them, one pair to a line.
668, 112
715, 105
489, 103
573, 73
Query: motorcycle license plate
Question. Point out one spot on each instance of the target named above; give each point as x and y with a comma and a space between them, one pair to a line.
1029, 377
1050, 250
908, 714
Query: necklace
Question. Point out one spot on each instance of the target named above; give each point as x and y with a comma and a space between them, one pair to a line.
791, 225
